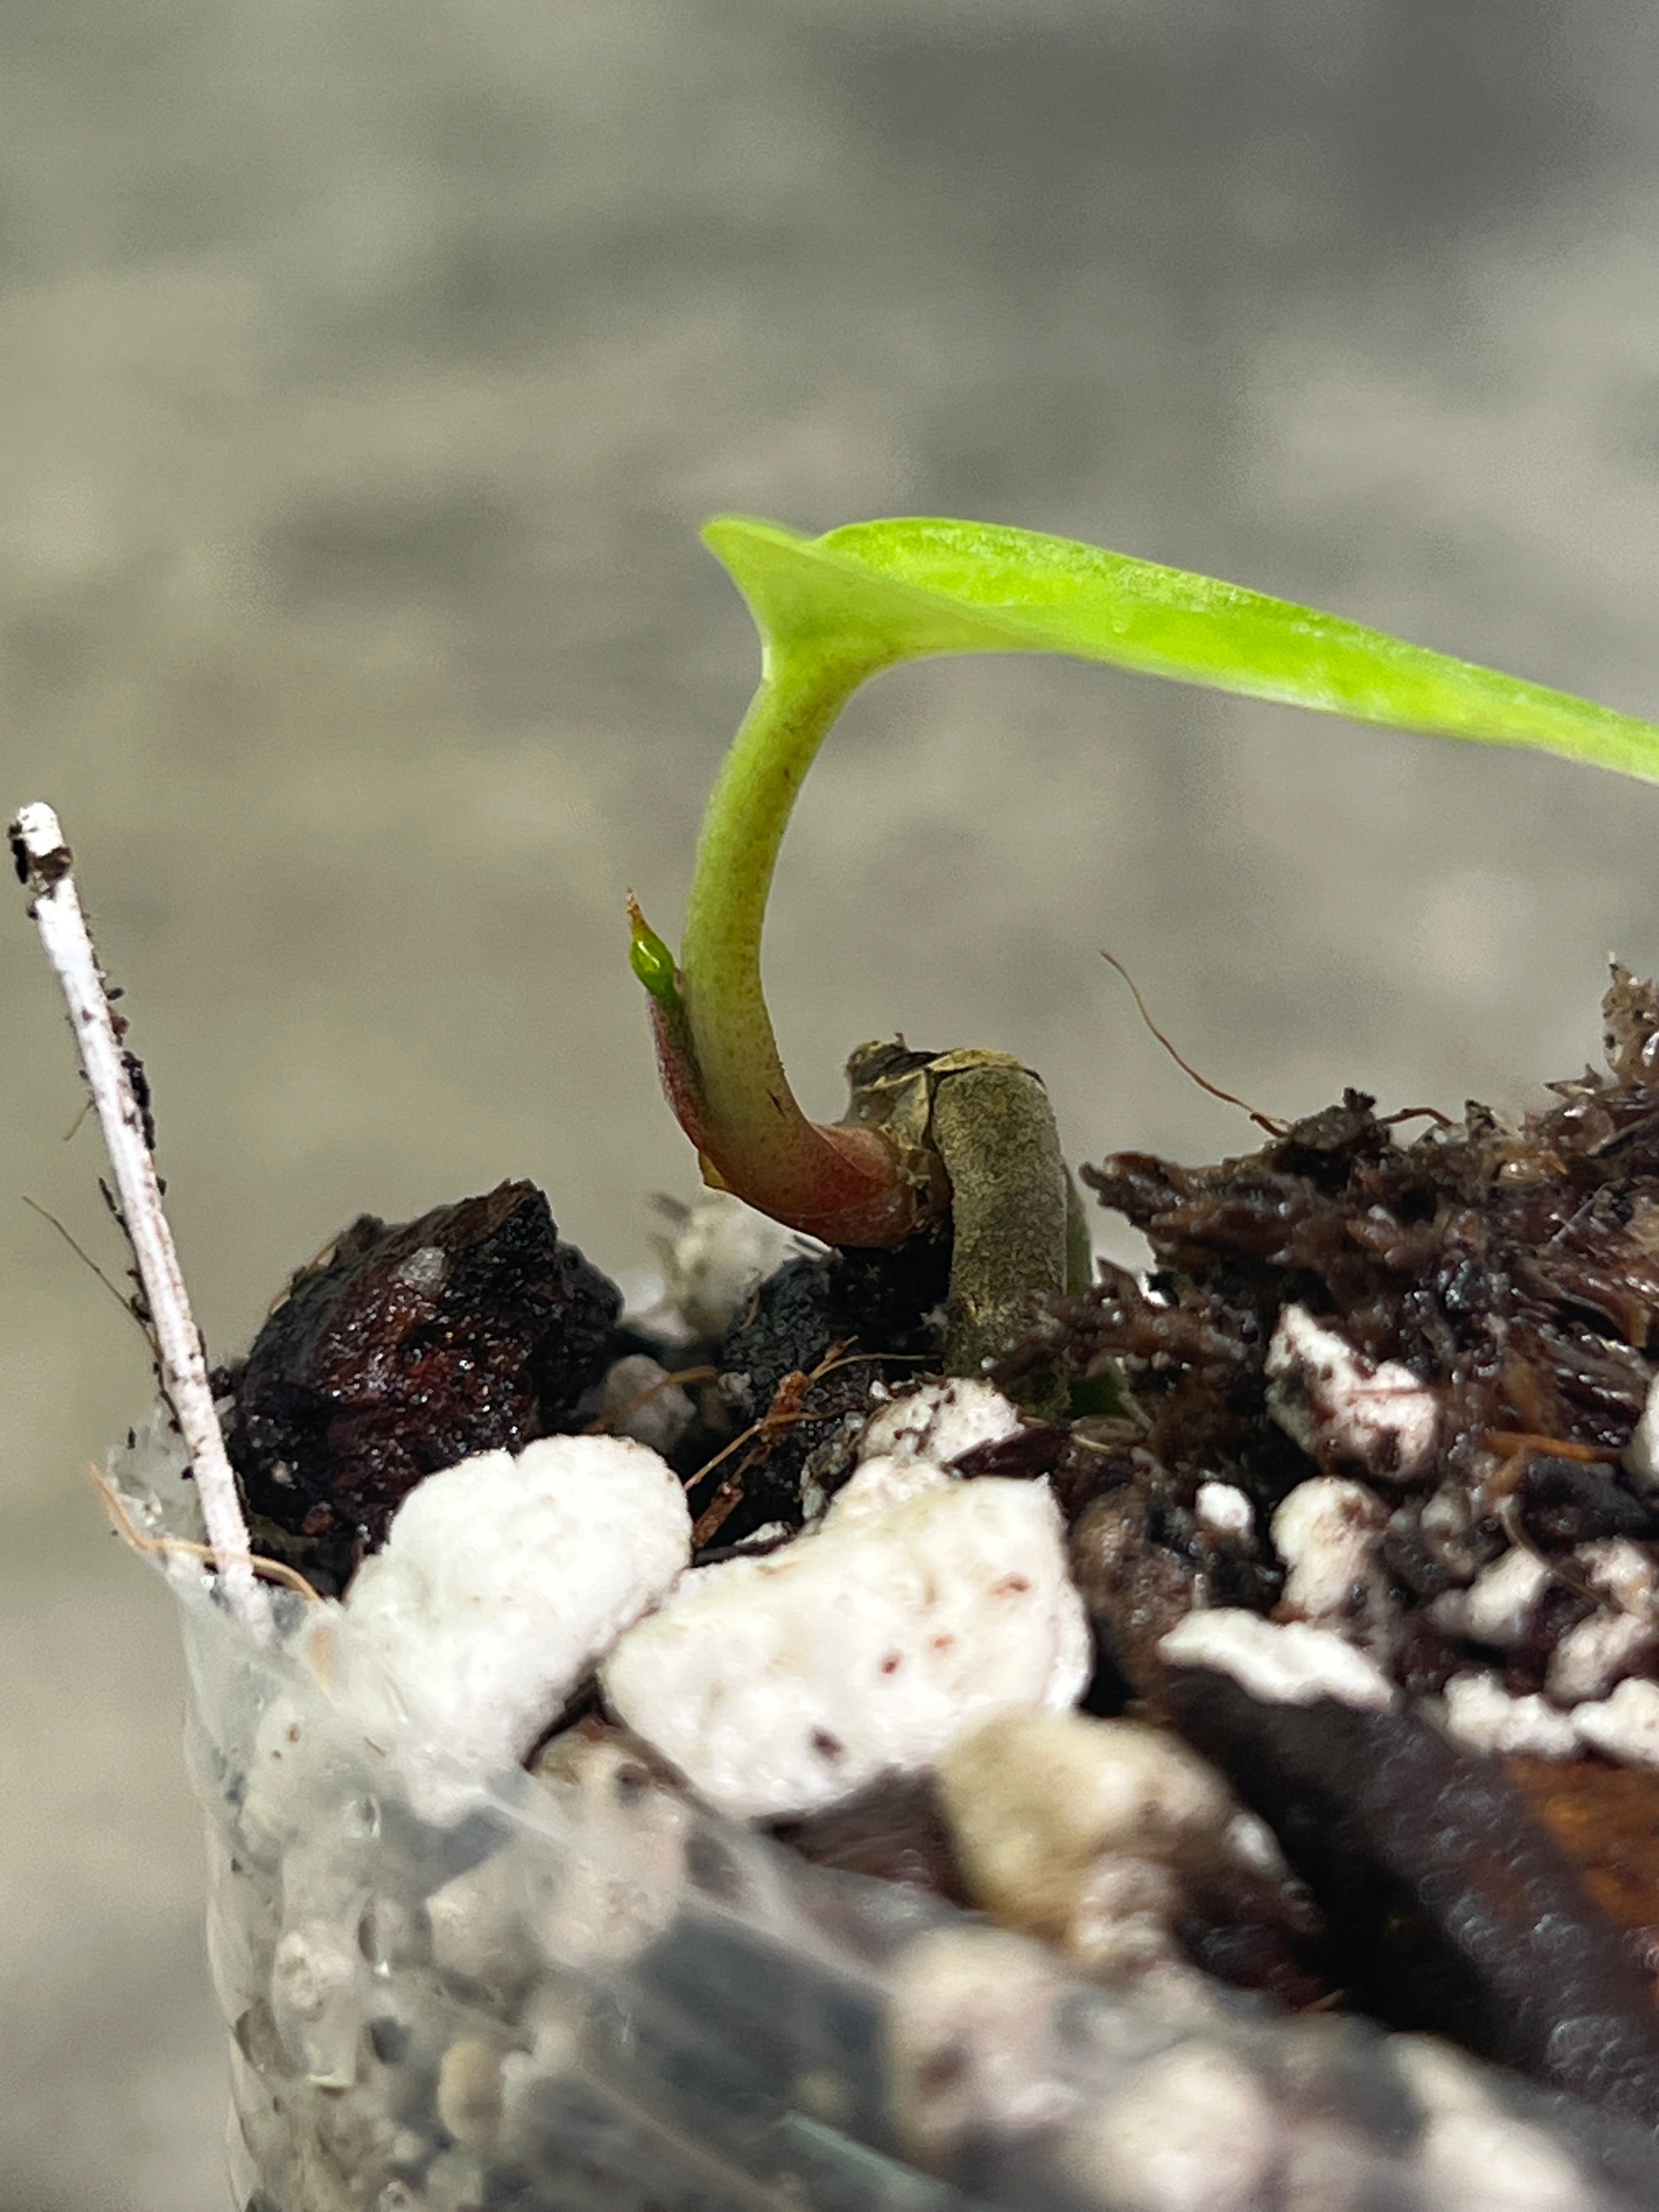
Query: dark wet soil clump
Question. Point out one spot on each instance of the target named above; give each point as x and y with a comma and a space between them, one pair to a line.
1513, 1267
799, 1366
404, 1349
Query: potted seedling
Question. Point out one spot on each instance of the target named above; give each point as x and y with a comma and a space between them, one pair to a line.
933, 1724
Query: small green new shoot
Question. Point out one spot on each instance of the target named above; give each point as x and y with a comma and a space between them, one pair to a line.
833, 611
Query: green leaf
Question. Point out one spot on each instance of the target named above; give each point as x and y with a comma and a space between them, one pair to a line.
917, 587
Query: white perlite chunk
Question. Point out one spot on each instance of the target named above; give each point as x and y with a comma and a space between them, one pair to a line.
912, 1440
1596, 1653
940, 1421
501, 1583
1482, 1715
1498, 1606
1034, 1798
1448, 1522
1472, 2155
639, 1399
1625, 1726
719, 1250
1195, 2131
1480, 2162
1073, 1828
1641, 1453
877, 1485
1225, 1511
1335, 1403
784, 1683
316, 2004
1621, 1573
973, 2040
1327, 1532
1286, 1662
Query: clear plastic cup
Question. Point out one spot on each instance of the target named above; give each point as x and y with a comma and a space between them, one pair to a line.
582, 1994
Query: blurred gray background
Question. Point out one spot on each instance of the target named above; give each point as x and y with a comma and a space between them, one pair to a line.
364, 374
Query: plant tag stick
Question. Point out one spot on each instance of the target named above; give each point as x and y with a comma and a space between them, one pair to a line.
43, 867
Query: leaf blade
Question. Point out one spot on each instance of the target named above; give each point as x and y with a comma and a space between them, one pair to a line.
918, 586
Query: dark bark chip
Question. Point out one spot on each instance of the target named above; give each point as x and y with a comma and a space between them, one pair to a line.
1446, 1906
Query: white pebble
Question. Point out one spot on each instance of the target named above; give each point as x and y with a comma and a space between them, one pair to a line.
1625, 1726
940, 1421
1327, 1532
1482, 1715
1334, 1402
502, 1582
1034, 1799
1225, 1511
784, 1683
1282, 1662
1195, 2132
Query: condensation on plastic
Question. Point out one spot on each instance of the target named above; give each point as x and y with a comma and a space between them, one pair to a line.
586, 1996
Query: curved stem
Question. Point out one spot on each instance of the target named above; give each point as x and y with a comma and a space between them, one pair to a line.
840, 1182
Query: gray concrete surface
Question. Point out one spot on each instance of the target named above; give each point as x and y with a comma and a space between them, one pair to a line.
364, 372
